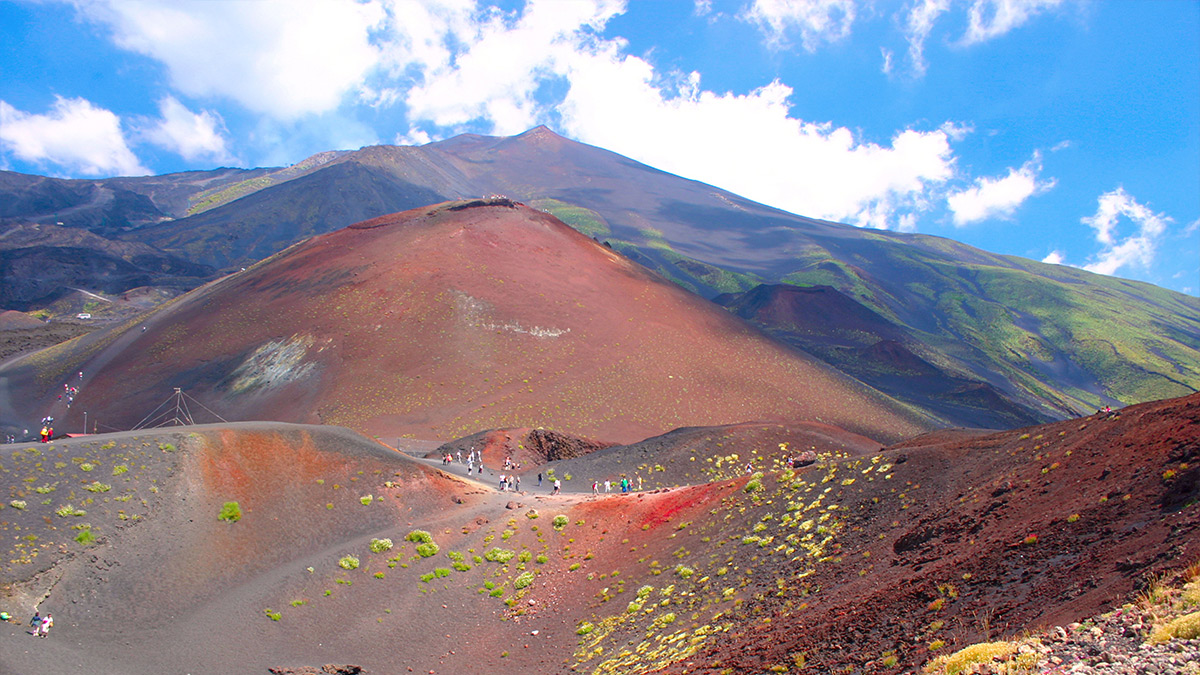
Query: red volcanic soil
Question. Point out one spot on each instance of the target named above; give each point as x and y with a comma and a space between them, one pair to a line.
982, 537
865, 554
442, 321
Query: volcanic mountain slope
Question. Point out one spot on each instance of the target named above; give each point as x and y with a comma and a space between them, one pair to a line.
442, 321
109, 206
348, 553
823, 321
1030, 339
42, 264
1052, 339
145, 575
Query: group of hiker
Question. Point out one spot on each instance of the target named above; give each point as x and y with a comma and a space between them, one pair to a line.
70, 391
625, 485
47, 429
41, 625
511, 482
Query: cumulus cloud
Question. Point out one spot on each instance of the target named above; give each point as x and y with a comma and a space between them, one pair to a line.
271, 56
1055, 257
497, 76
817, 20
75, 136
193, 136
752, 145
998, 197
1123, 249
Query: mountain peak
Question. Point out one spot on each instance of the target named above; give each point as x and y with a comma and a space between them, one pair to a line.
540, 134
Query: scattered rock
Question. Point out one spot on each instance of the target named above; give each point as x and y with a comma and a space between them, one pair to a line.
327, 669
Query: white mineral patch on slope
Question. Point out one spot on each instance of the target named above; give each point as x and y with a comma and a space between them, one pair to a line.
273, 364
473, 311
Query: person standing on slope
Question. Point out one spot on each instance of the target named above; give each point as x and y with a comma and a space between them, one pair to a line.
557, 487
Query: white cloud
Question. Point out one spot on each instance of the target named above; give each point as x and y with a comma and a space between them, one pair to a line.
990, 19
998, 197
1055, 257
193, 136
74, 135
1137, 248
917, 26
278, 57
497, 77
751, 145
817, 20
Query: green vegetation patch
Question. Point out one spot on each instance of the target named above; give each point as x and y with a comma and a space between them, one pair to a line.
579, 218
500, 555
419, 537
231, 512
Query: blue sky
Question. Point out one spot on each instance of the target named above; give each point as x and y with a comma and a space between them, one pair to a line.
1051, 129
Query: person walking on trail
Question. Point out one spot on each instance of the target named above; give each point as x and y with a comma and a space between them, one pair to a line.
36, 622
47, 624
503, 484
557, 486
595, 487
539, 479
516, 483
608, 486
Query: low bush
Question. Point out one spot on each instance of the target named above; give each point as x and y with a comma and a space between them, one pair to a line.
1186, 627
964, 660
500, 555
420, 537
230, 512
